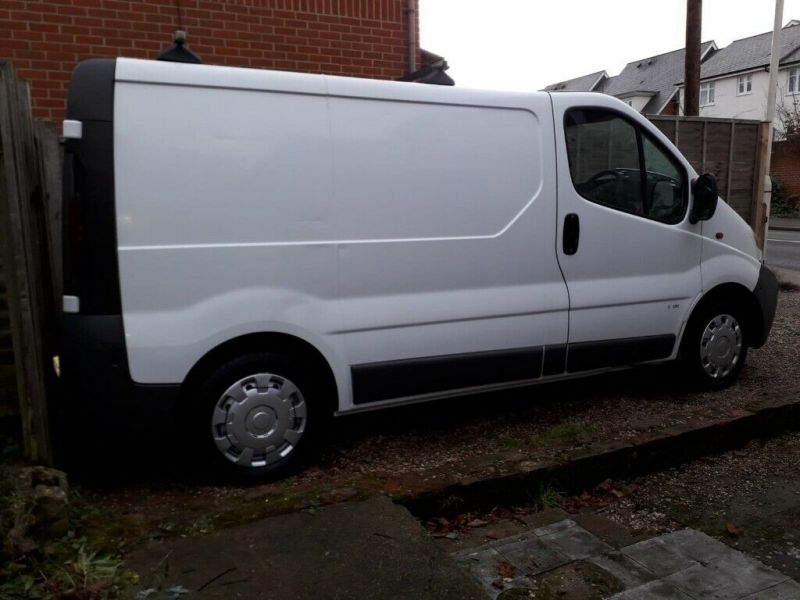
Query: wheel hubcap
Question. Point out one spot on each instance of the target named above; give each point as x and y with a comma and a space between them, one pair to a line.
259, 420
721, 346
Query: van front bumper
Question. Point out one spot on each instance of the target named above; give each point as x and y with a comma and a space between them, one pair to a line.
766, 295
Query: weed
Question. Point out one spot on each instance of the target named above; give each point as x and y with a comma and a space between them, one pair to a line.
70, 570
544, 496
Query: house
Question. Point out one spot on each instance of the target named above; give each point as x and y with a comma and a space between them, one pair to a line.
735, 80
593, 82
368, 38
647, 84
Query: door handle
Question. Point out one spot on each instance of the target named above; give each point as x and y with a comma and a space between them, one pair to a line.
572, 233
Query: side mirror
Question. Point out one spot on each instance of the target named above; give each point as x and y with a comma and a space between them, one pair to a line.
704, 190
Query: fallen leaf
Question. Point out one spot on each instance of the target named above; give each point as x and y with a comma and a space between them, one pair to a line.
605, 486
733, 530
392, 487
477, 523
506, 570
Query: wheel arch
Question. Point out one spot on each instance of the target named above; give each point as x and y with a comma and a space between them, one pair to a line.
743, 298
265, 342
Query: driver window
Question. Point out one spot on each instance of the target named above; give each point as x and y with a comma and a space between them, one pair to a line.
615, 164
664, 184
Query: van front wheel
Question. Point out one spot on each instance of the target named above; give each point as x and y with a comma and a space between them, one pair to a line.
714, 346
259, 418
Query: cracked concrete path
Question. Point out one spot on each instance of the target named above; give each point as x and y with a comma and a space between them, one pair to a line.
564, 560
370, 549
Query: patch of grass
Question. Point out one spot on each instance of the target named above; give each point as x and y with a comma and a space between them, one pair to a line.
564, 433
69, 568
84, 564
544, 496
512, 443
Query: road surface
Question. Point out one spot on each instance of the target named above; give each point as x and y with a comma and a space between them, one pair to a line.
783, 249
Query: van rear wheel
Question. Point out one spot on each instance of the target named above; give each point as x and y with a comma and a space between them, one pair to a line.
714, 345
259, 418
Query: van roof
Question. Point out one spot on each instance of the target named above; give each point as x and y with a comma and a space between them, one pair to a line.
211, 76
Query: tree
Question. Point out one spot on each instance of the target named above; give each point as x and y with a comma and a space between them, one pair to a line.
789, 117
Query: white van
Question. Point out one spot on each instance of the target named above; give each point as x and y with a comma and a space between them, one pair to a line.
248, 252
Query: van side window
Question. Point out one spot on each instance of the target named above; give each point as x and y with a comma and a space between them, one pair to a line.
614, 163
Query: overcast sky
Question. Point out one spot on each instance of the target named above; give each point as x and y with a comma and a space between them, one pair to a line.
527, 44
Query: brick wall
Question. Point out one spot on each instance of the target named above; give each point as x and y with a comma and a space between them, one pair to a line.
785, 166
45, 39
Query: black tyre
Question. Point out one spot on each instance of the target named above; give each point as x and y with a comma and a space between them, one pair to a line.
260, 416
714, 346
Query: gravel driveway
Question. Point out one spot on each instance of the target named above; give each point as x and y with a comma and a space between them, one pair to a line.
423, 447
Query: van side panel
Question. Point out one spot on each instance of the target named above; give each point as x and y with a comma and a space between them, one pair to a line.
378, 221
460, 203
224, 220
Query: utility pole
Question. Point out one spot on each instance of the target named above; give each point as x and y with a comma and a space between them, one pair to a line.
691, 78
768, 126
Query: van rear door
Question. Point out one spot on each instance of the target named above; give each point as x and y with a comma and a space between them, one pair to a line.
629, 254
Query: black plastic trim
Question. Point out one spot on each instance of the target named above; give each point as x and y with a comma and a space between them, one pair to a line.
91, 90
586, 356
572, 234
555, 360
373, 382
766, 295
91, 269
97, 381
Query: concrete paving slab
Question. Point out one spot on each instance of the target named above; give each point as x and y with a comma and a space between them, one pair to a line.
557, 527
655, 590
721, 582
371, 549
699, 547
681, 565
630, 573
659, 557
788, 590
577, 580
484, 566
532, 556
575, 542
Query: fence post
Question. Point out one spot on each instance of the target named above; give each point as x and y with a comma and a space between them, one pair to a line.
50, 157
27, 276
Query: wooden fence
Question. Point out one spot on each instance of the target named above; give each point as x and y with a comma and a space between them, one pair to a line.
731, 149
30, 187
9, 405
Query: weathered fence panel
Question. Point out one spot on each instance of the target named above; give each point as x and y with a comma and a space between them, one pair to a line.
26, 231
9, 405
728, 148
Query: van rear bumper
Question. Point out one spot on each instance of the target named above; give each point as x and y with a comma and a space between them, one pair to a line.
766, 295
97, 382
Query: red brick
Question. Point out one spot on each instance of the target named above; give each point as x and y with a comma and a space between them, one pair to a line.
367, 38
